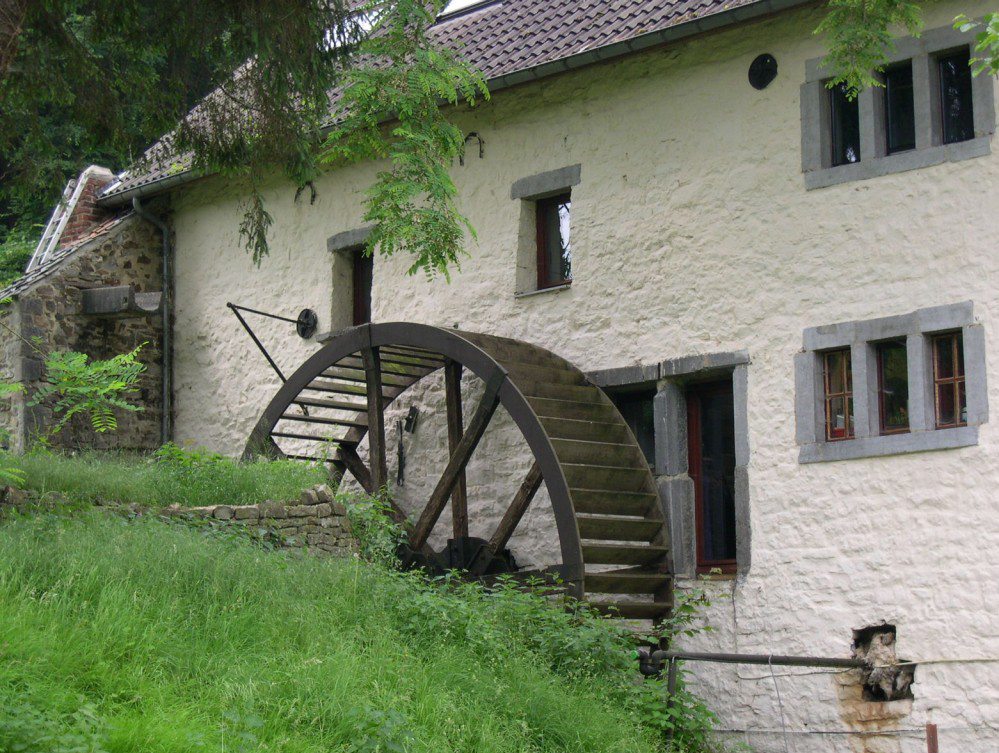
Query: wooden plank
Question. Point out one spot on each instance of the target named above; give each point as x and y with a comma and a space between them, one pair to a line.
623, 554
314, 419
512, 517
349, 457
603, 502
612, 528
455, 428
624, 582
459, 459
376, 420
632, 610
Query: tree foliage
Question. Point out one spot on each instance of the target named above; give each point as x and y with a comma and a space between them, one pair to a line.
412, 202
95, 80
986, 42
860, 39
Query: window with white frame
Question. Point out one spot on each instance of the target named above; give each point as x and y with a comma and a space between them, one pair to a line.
888, 386
929, 109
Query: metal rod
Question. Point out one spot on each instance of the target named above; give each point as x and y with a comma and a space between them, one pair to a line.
775, 659
262, 313
256, 340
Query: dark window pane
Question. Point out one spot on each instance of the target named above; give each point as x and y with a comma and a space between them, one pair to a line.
363, 273
554, 248
945, 357
845, 127
900, 118
711, 456
893, 386
637, 410
962, 403
945, 405
956, 112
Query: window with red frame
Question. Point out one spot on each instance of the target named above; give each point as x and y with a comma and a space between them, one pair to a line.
949, 392
893, 387
838, 398
554, 248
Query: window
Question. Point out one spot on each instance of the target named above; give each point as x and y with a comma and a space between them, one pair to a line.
906, 383
845, 127
638, 411
956, 109
930, 110
554, 248
900, 116
838, 380
949, 389
362, 277
711, 466
893, 387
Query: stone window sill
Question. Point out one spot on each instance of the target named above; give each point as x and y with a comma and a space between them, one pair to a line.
542, 291
913, 159
891, 444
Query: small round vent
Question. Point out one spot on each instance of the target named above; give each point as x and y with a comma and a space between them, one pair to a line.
762, 71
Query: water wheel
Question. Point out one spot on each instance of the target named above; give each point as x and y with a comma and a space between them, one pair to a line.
612, 536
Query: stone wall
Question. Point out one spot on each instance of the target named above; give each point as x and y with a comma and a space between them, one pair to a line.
316, 522
48, 315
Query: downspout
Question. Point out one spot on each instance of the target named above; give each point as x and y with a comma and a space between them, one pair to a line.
166, 303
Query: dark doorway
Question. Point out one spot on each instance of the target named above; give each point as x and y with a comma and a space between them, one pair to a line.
363, 273
711, 465
637, 410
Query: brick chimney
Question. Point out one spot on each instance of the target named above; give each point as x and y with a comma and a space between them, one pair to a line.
85, 215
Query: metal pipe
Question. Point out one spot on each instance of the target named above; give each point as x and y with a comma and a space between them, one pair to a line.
766, 659
166, 423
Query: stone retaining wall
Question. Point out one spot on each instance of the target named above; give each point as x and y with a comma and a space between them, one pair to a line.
316, 522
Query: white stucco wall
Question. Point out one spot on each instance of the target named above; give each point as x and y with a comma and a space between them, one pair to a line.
692, 233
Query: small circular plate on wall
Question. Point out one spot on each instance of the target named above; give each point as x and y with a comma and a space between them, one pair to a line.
762, 71
306, 323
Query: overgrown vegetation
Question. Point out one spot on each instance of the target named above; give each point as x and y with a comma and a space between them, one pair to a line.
125, 636
172, 475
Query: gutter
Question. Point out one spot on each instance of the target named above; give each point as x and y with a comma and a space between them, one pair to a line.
712, 22
166, 302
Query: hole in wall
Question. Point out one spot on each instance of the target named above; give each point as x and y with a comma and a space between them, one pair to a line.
884, 679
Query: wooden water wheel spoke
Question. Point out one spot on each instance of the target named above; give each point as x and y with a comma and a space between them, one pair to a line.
376, 419
459, 459
511, 518
455, 429
612, 536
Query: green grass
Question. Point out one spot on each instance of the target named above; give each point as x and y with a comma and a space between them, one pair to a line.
138, 635
175, 477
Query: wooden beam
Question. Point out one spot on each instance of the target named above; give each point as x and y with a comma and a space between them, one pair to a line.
511, 519
459, 459
352, 461
455, 428
376, 419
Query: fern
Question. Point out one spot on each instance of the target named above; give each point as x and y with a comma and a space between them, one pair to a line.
76, 385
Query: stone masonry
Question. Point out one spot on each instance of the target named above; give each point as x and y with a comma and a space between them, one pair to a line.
46, 311
316, 522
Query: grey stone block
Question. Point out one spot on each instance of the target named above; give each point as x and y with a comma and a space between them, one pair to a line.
349, 239
222, 512
547, 183
624, 375
249, 512
701, 363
